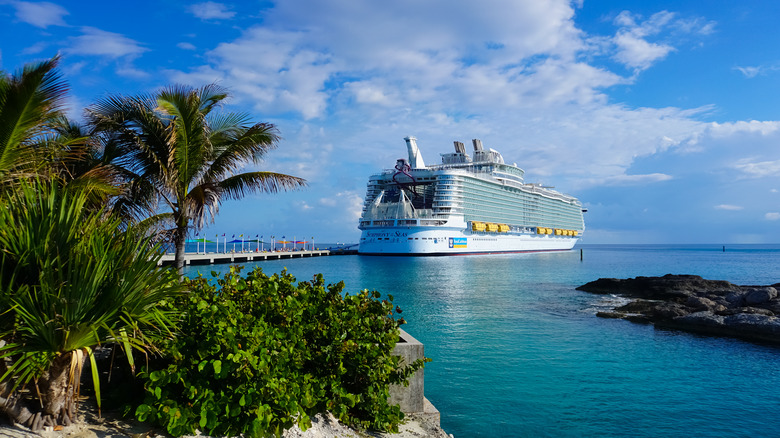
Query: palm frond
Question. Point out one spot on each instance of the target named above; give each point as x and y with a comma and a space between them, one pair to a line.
28, 101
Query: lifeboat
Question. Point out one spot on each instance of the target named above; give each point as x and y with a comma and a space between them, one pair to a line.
503, 228
492, 227
477, 226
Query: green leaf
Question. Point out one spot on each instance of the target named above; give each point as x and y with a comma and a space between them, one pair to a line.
95, 377
217, 364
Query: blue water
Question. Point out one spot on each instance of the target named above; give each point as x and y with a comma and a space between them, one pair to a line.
518, 352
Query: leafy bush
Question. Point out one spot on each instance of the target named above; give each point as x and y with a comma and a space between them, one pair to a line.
70, 280
263, 353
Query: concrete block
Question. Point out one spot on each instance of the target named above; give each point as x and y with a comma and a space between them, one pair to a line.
410, 398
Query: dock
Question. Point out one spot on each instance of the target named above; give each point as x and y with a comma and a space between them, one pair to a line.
244, 257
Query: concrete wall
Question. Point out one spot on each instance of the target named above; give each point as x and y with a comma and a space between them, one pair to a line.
409, 398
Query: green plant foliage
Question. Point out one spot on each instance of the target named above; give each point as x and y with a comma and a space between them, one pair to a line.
262, 353
70, 281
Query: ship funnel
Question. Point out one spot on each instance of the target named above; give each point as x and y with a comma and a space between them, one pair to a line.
460, 148
477, 144
415, 158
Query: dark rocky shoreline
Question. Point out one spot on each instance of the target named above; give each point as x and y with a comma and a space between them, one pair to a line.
691, 303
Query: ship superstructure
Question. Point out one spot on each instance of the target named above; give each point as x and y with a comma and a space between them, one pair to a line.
464, 205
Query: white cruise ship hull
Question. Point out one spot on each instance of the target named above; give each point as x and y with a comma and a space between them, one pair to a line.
396, 241
464, 205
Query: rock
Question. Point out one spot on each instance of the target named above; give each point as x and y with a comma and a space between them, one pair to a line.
748, 310
659, 288
610, 315
701, 303
638, 306
667, 311
736, 298
689, 302
701, 319
760, 295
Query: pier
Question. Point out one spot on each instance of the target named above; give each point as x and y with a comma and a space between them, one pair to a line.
243, 257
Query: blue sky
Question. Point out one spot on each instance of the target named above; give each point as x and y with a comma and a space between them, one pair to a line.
662, 117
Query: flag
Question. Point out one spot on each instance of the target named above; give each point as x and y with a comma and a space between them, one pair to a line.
234, 236
223, 234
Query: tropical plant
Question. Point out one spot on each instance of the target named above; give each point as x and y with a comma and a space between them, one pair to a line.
180, 153
70, 281
29, 101
262, 353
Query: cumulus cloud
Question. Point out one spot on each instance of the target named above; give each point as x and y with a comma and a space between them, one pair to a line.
211, 11
753, 71
186, 46
624, 180
348, 201
751, 126
759, 169
40, 14
774, 216
728, 207
96, 42
636, 51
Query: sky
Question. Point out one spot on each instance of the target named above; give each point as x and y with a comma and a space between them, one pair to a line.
661, 117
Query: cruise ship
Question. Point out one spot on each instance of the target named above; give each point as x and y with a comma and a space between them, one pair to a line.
465, 205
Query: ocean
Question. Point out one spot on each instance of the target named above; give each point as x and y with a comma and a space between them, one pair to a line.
518, 352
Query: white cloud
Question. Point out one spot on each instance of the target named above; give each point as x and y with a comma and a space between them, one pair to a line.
751, 126
728, 207
631, 40
759, 169
637, 53
35, 48
624, 180
750, 72
96, 42
211, 11
186, 46
348, 201
41, 14
774, 216
753, 71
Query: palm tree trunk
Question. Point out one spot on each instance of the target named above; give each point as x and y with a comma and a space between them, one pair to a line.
180, 239
58, 397
58, 392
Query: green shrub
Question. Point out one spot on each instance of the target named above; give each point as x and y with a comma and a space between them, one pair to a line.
262, 353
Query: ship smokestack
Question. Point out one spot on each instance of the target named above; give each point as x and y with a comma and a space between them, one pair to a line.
477, 145
415, 158
460, 148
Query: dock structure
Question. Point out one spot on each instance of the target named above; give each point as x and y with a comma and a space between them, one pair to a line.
242, 257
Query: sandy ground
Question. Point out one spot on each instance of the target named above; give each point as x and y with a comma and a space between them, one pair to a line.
323, 426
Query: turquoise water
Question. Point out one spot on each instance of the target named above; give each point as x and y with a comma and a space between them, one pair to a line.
518, 352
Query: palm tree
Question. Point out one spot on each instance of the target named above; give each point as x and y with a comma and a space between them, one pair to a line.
182, 154
29, 100
70, 281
